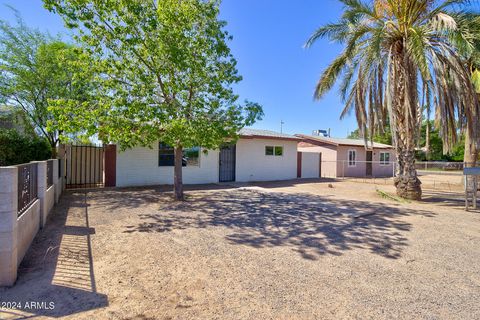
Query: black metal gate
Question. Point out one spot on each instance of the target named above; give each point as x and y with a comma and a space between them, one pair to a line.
84, 166
227, 163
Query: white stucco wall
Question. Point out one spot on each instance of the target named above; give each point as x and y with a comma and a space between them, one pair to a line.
253, 165
59, 185
329, 159
48, 202
28, 225
139, 167
310, 164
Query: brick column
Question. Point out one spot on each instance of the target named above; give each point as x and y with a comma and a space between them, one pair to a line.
110, 165
8, 225
42, 190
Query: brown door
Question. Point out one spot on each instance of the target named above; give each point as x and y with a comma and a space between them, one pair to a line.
320, 165
369, 163
299, 164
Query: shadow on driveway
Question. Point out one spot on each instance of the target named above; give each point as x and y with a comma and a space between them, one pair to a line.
56, 277
311, 225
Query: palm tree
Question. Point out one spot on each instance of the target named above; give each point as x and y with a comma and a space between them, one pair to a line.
472, 60
394, 50
472, 134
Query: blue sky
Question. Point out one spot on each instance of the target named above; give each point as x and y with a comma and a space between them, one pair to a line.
268, 43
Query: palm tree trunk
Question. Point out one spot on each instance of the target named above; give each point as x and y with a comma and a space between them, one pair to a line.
470, 155
405, 109
427, 140
177, 178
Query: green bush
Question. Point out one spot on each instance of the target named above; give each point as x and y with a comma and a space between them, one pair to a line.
16, 148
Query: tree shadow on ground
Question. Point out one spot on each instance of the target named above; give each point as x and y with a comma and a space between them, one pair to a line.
112, 199
309, 224
58, 267
454, 199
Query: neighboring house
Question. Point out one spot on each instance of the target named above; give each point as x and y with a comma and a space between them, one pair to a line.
348, 157
258, 155
12, 118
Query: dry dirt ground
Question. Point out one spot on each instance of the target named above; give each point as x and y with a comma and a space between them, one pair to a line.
314, 249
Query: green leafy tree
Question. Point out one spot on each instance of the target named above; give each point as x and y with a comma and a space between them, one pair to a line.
385, 137
14, 118
394, 51
17, 148
34, 68
436, 150
167, 75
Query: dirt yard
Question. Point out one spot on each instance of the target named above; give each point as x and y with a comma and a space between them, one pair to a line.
290, 250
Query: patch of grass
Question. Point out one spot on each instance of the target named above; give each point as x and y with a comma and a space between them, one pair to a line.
389, 196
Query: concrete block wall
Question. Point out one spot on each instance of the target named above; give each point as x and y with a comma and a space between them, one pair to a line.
28, 225
49, 203
8, 225
57, 181
18, 232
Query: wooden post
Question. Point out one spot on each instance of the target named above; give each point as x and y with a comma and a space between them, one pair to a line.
299, 164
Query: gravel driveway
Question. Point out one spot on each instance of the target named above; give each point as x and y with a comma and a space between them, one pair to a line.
272, 251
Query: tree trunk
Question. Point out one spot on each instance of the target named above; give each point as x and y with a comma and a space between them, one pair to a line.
54, 152
427, 140
470, 155
53, 147
177, 178
407, 183
404, 99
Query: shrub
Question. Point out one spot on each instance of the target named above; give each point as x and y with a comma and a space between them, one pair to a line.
16, 148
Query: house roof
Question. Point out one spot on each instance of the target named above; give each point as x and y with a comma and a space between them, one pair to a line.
344, 142
247, 133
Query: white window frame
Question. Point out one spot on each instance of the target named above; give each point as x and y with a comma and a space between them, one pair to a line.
383, 163
274, 155
274, 149
348, 158
186, 165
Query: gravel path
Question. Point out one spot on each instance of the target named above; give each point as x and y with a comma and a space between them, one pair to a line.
272, 251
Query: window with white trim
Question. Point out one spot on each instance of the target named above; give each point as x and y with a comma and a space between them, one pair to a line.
352, 158
273, 150
384, 158
166, 157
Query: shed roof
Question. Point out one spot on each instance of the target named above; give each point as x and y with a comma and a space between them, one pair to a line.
344, 142
248, 133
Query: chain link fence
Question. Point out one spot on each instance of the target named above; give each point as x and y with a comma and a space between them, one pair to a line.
441, 175
437, 175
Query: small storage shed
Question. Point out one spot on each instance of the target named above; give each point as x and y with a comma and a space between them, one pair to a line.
348, 157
